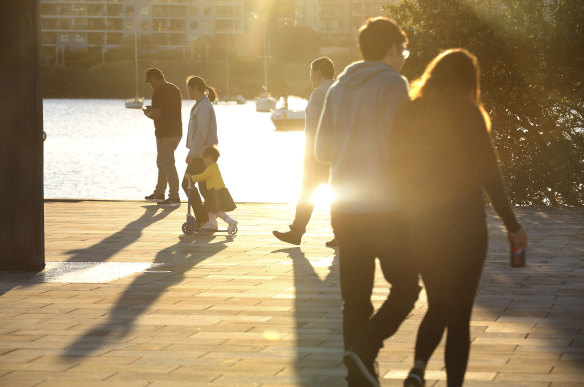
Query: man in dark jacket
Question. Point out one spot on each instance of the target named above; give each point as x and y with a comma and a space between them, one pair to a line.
166, 114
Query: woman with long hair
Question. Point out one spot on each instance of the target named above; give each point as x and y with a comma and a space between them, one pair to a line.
202, 133
442, 162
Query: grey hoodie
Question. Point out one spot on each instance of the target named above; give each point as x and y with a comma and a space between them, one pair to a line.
352, 135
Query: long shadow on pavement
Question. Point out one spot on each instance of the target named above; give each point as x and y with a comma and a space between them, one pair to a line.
144, 291
92, 255
317, 312
119, 240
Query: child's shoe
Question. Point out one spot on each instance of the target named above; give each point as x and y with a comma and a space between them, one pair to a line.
208, 227
232, 227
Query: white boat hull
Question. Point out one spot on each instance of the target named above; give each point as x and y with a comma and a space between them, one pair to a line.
265, 104
135, 103
285, 119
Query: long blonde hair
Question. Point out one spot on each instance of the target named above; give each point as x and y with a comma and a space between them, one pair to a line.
454, 73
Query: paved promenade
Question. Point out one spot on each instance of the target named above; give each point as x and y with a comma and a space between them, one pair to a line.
127, 300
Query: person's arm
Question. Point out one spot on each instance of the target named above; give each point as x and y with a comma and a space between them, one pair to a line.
313, 111
323, 148
203, 119
487, 168
154, 112
393, 96
205, 175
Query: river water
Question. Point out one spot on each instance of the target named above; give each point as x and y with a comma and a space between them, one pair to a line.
98, 149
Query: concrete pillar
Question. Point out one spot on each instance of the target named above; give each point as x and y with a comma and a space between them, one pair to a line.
21, 138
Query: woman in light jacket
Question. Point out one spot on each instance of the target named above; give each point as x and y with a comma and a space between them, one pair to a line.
202, 133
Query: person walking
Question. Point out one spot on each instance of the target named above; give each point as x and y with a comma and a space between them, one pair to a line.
202, 133
165, 111
322, 73
218, 200
366, 218
441, 162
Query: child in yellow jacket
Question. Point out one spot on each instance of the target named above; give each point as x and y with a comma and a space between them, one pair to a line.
218, 200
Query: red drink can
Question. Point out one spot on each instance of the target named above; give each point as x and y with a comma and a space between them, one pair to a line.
517, 255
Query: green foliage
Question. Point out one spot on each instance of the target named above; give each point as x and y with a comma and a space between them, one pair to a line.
532, 55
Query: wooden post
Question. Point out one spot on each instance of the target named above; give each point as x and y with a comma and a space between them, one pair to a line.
21, 143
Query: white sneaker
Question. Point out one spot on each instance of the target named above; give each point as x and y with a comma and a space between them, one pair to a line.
232, 227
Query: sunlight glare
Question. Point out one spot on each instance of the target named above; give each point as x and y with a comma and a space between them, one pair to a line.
271, 335
323, 197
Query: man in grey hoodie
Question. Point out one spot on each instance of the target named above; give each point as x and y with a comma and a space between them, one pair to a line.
366, 219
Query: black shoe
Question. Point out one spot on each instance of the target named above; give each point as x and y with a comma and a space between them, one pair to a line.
292, 237
415, 378
361, 366
155, 197
332, 243
170, 203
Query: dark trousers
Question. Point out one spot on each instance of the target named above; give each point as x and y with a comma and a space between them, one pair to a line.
450, 261
361, 239
314, 175
193, 168
165, 148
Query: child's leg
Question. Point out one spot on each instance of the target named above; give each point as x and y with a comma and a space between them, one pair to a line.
225, 217
212, 218
232, 228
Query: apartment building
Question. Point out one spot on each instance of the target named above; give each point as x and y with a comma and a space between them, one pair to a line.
337, 21
100, 25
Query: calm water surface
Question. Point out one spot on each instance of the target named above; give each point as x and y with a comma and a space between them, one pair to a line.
98, 149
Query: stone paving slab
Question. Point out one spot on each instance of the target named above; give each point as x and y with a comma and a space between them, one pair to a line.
250, 311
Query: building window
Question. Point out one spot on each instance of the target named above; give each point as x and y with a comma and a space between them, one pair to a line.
130, 24
193, 25
144, 11
129, 10
194, 11
64, 38
208, 11
145, 25
79, 38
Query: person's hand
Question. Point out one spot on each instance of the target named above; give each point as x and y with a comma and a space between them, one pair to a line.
518, 238
189, 159
154, 113
147, 110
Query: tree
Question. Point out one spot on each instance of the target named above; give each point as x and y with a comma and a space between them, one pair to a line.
531, 54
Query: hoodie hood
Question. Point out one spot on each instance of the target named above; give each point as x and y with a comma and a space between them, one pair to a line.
359, 73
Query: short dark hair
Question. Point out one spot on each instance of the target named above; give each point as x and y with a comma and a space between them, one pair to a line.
378, 35
212, 152
154, 73
325, 65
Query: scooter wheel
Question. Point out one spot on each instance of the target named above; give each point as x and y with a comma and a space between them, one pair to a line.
188, 228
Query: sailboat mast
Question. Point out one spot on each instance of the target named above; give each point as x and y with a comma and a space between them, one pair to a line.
136, 56
265, 58
227, 67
